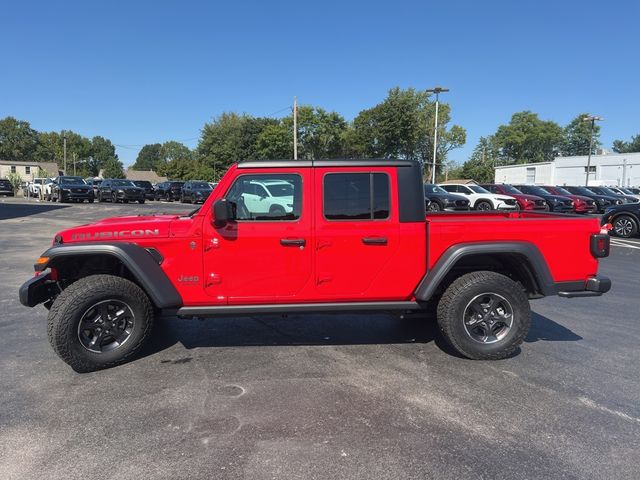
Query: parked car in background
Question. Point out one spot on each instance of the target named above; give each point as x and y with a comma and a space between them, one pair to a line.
634, 190
94, 183
47, 186
611, 193
6, 188
118, 190
213, 185
556, 203
439, 200
268, 198
195, 191
67, 188
625, 191
481, 198
525, 202
149, 192
168, 191
581, 204
625, 219
602, 201
34, 187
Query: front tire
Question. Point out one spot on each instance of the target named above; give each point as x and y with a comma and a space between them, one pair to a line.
434, 207
484, 206
484, 315
99, 322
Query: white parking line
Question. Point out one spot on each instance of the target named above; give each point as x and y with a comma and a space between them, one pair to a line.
620, 243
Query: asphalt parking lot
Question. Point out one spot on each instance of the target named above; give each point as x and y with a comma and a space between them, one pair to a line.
319, 396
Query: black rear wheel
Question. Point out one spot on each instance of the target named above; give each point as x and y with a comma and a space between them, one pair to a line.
484, 315
99, 321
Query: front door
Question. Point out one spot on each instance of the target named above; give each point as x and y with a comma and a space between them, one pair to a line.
266, 254
356, 233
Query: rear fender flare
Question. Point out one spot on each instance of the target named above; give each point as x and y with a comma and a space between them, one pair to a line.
539, 269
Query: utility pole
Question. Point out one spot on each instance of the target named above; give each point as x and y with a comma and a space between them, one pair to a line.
592, 119
437, 91
64, 148
295, 128
74, 163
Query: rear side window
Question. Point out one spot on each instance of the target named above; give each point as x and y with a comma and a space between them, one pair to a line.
356, 196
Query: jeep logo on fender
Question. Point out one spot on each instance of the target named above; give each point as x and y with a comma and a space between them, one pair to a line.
118, 234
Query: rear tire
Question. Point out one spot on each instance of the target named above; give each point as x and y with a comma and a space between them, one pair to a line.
484, 315
85, 299
625, 226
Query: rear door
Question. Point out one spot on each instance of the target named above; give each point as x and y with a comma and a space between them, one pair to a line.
356, 232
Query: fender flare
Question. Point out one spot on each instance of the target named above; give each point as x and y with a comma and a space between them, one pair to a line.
434, 277
142, 264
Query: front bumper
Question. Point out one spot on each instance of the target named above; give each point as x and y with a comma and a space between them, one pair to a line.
592, 287
76, 195
130, 196
37, 290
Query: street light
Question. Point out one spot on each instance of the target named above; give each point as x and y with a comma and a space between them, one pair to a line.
437, 91
592, 119
64, 139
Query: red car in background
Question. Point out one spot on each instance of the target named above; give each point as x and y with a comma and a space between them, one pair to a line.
525, 202
581, 204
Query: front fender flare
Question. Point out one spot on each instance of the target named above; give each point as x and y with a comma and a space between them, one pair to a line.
142, 265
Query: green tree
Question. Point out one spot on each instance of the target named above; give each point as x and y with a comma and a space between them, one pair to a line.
528, 139
18, 141
102, 151
112, 168
15, 180
633, 145
482, 162
275, 142
321, 134
188, 169
402, 126
148, 158
172, 150
577, 135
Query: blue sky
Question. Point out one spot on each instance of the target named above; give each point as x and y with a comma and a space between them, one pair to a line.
142, 72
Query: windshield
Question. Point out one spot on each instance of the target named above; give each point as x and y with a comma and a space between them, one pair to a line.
71, 180
142, 183
626, 191
562, 191
122, 183
37, 180
176, 184
430, 188
538, 191
584, 191
280, 190
510, 189
608, 191
202, 185
478, 189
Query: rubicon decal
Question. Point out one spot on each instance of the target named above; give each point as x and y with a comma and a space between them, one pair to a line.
116, 234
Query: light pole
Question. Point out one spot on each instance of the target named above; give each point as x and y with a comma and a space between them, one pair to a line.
64, 149
592, 119
437, 91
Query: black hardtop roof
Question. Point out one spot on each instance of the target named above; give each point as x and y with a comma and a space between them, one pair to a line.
338, 162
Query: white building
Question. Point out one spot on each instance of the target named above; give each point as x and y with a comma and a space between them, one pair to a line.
616, 169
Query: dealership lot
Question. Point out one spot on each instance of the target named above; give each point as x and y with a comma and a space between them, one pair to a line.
318, 396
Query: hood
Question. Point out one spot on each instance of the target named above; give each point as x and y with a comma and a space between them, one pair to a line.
527, 196
558, 198
119, 228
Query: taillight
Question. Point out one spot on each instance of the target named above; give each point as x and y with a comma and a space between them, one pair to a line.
600, 245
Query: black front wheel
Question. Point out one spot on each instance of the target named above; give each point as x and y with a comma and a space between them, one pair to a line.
484, 206
434, 207
484, 315
99, 322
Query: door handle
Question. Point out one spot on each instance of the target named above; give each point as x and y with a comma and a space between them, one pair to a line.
293, 242
374, 240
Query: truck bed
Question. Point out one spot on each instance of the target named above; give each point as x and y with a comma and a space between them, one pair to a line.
563, 240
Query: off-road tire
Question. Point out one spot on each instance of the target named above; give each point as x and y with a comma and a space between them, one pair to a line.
459, 294
70, 306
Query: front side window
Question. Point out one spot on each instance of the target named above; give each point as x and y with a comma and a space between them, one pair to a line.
249, 193
356, 196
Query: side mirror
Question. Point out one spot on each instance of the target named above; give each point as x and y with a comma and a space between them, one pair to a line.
223, 212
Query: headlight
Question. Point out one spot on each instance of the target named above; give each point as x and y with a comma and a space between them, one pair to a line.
120, 191
68, 190
618, 202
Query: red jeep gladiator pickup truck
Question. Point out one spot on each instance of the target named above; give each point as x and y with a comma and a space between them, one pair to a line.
310, 236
